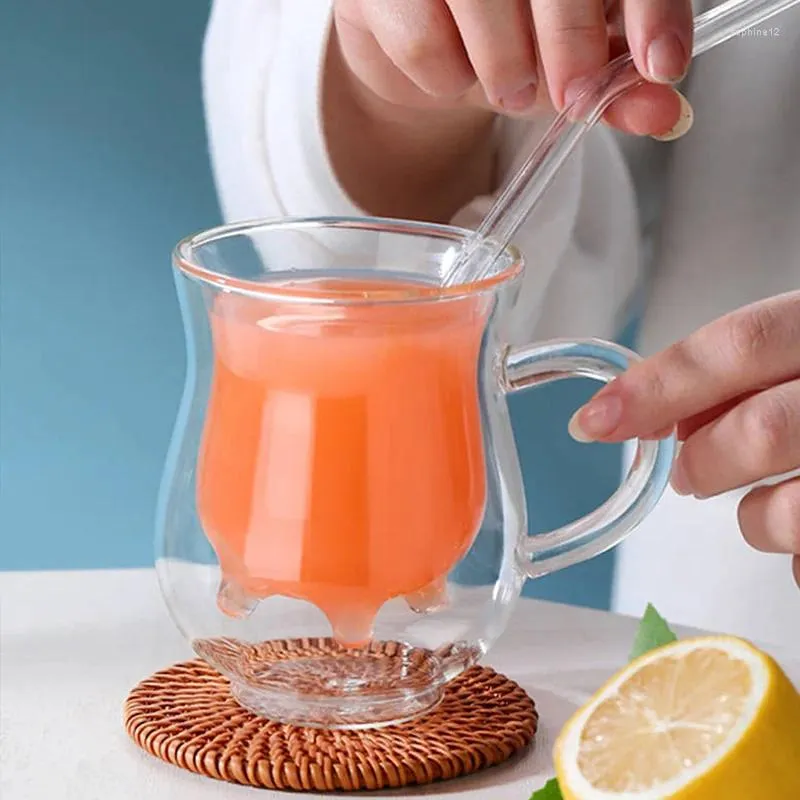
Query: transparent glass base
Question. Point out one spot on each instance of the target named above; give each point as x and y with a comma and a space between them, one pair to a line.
317, 683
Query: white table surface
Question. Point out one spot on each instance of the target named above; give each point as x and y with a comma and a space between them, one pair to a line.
74, 644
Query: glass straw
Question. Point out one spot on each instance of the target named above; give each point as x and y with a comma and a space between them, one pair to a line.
479, 252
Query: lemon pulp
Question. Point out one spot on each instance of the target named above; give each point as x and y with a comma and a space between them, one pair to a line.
666, 718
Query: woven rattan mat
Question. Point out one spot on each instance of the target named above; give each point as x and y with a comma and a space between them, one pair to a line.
186, 716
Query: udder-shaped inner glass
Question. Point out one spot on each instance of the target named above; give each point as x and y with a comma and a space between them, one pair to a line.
342, 455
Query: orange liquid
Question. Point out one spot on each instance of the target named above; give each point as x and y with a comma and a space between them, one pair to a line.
342, 457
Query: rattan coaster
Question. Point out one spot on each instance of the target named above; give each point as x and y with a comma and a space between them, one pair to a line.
186, 716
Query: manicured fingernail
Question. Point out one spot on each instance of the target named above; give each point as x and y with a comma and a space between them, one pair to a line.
666, 59
680, 480
682, 126
598, 418
521, 100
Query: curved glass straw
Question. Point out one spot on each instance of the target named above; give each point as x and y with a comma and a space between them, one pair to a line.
484, 246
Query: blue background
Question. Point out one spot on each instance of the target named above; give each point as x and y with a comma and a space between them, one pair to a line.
105, 168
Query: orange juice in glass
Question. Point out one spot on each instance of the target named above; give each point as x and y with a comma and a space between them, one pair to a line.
344, 440
342, 457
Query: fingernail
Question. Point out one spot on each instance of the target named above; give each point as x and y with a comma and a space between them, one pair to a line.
682, 126
598, 418
521, 100
666, 59
680, 480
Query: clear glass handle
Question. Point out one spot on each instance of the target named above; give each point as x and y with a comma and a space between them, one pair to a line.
641, 489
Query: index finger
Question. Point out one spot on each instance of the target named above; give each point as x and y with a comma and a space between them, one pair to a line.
749, 349
660, 35
573, 43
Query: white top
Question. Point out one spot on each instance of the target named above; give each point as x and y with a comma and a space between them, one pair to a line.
730, 235
75, 643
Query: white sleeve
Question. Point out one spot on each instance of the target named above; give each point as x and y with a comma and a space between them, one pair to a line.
262, 64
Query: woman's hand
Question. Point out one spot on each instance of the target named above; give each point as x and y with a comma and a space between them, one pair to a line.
733, 390
514, 56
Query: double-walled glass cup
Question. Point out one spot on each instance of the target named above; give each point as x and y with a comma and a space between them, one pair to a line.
343, 458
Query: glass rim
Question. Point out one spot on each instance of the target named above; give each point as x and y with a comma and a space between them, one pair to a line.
182, 259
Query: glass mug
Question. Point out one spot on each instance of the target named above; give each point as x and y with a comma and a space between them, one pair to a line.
343, 456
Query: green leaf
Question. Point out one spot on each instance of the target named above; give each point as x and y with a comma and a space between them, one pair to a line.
654, 632
550, 791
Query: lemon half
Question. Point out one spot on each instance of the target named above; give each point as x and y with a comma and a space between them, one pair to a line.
710, 718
